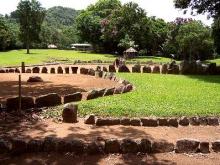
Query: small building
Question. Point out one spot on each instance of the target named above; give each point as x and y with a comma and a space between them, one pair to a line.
52, 46
130, 53
81, 47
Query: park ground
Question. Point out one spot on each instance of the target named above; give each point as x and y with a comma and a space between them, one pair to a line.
41, 56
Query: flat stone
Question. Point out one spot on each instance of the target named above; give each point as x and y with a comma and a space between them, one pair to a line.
48, 100
184, 121
162, 147
125, 121
13, 103
149, 122
135, 122
187, 146
129, 146
102, 122
163, 122
216, 146
89, 119
112, 146
204, 147
145, 146
34, 79
72, 97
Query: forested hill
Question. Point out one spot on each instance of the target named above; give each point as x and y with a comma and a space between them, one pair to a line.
59, 16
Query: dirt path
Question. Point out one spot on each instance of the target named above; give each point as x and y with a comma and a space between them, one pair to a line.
61, 84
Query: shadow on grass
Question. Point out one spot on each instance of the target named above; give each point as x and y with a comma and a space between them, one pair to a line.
206, 78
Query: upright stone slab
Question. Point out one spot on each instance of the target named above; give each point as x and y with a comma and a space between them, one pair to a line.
164, 69
36, 70
156, 69
60, 70
70, 113
136, 69
52, 71
84, 71
187, 146
123, 68
27, 71
112, 68
72, 97
48, 100
13, 103
67, 70
147, 69
44, 70
74, 70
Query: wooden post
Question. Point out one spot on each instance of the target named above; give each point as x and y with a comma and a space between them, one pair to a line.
19, 92
22, 67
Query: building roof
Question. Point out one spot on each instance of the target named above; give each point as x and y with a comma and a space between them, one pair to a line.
81, 45
131, 50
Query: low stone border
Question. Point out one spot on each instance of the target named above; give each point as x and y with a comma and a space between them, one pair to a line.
153, 122
18, 146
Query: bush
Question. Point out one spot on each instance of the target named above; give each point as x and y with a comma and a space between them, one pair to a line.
143, 52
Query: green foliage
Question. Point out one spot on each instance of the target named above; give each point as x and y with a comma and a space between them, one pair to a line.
216, 34
31, 16
5, 35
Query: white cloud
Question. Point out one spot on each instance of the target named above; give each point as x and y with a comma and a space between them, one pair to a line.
159, 8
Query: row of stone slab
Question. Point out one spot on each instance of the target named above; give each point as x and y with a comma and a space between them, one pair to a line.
153, 122
18, 146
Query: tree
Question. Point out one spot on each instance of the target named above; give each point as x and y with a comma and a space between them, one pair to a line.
31, 16
216, 34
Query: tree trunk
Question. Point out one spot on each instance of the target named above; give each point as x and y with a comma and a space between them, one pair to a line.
28, 47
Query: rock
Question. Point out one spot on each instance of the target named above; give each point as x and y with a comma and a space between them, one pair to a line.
184, 121
204, 147
36, 70
216, 146
114, 121
91, 72
123, 68
129, 146
19, 146
89, 119
50, 144
136, 69
72, 97
109, 92
194, 121
145, 146
164, 69
34, 146
163, 122
27, 71
84, 71
70, 113
125, 121
213, 121
67, 70
102, 122
2, 71
63, 146
135, 122
105, 69
74, 70
52, 71
34, 79
48, 100
16, 70
13, 103
112, 146
98, 68
112, 68
203, 121
173, 122
44, 70
77, 146
128, 88
95, 94
149, 122
187, 146
60, 70
146, 69
12, 70
95, 147
156, 69
5, 146
119, 90
162, 147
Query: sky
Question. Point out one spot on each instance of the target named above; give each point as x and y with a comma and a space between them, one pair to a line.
159, 8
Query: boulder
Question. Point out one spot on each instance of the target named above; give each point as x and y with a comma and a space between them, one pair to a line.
187, 146
204, 147
119, 90
184, 121
135, 122
70, 113
91, 72
194, 121
60, 70
52, 71
34, 79
216, 146
19, 146
164, 69
146, 69
67, 70
128, 88
125, 121
136, 69
72, 97
109, 92
112, 146
145, 146
13, 103
162, 147
44, 70
149, 122
213, 121
89, 119
112, 68
84, 71
95, 147
123, 68
156, 69
5, 146
48, 100
34, 146
173, 122
163, 122
129, 146
74, 70
36, 70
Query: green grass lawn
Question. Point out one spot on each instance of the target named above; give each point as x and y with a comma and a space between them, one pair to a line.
156, 95
40, 56
161, 95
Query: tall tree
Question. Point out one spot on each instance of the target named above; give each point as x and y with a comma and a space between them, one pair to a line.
31, 16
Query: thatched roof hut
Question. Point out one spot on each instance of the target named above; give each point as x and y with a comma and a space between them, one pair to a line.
130, 53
